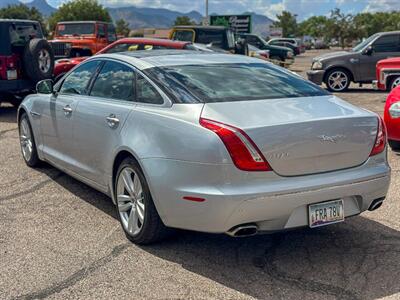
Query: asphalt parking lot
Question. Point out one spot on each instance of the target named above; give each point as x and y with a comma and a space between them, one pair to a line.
60, 239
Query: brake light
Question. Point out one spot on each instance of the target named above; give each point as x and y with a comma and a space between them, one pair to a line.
244, 153
380, 141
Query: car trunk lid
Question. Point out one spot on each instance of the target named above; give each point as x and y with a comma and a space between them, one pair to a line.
300, 136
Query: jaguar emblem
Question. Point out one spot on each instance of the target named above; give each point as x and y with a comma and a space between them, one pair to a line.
331, 138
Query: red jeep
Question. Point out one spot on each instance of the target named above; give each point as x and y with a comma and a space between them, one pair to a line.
85, 38
387, 74
25, 58
127, 44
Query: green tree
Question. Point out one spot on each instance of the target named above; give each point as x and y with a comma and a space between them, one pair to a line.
315, 26
22, 11
183, 20
80, 10
341, 26
287, 21
122, 27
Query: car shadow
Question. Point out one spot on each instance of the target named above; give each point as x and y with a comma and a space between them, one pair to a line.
8, 114
358, 259
362, 90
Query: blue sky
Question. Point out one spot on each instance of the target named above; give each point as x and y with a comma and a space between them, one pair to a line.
303, 8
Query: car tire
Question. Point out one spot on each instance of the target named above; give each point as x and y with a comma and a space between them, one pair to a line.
38, 60
135, 207
394, 82
395, 145
27, 142
337, 80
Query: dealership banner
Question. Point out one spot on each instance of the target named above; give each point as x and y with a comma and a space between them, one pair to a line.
238, 23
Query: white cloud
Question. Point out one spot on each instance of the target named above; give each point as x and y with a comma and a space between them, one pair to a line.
382, 5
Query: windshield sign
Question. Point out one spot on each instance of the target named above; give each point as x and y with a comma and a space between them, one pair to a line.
75, 29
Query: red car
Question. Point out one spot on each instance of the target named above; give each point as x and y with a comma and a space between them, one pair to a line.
387, 74
62, 66
392, 118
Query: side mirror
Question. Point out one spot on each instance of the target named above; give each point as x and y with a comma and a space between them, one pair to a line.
369, 50
45, 86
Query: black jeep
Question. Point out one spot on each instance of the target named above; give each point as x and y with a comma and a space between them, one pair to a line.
25, 58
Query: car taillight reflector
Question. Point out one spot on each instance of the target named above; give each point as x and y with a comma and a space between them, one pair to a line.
244, 153
380, 141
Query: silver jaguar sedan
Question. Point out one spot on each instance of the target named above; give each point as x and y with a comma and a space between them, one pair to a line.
208, 142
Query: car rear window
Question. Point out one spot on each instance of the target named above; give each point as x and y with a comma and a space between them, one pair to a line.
20, 34
235, 82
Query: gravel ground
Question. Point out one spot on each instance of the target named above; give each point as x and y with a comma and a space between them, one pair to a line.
60, 239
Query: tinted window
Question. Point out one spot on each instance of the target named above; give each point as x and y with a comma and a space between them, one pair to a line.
115, 81
252, 40
77, 82
20, 34
101, 32
75, 29
146, 93
112, 35
387, 43
240, 82
184, 35
210, 36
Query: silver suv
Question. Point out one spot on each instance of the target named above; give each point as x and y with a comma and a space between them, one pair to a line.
338, 69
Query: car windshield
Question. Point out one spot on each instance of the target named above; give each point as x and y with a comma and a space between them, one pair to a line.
75, 29
364, 43
236, 82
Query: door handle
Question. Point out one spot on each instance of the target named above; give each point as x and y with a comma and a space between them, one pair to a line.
67, 110
112, 121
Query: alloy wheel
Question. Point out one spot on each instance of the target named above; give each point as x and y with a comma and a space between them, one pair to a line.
26, 139
338, 81
44, 60
130, 201
395, 83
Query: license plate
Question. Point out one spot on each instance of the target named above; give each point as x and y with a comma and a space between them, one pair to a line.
325, 213
11, 74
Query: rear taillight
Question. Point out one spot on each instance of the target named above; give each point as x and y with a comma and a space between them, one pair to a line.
244, 153
380, 141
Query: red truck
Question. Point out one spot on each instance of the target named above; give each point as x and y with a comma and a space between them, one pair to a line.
387, 74
85, 38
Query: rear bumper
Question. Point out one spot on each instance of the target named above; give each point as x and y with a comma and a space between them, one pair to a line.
316, 76
375, 84
271, 202
16, 86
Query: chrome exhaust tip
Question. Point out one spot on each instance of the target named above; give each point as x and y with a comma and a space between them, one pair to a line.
243, 230
376, 204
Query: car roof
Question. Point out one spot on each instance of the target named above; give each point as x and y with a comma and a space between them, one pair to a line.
200, 27
17, 21
389, 32
162, 58
153, 41
83, 22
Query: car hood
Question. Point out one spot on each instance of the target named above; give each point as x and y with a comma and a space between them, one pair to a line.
281, 48
390, 61
334, 55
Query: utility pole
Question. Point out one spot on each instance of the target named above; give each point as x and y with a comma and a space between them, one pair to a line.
206, 21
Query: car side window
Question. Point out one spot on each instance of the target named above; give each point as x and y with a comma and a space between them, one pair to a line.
101, 33
77, 82
387, 43
111, 33
184, 35
146, 93
114, 81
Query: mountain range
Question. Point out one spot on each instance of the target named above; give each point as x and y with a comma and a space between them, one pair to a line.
142, 17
